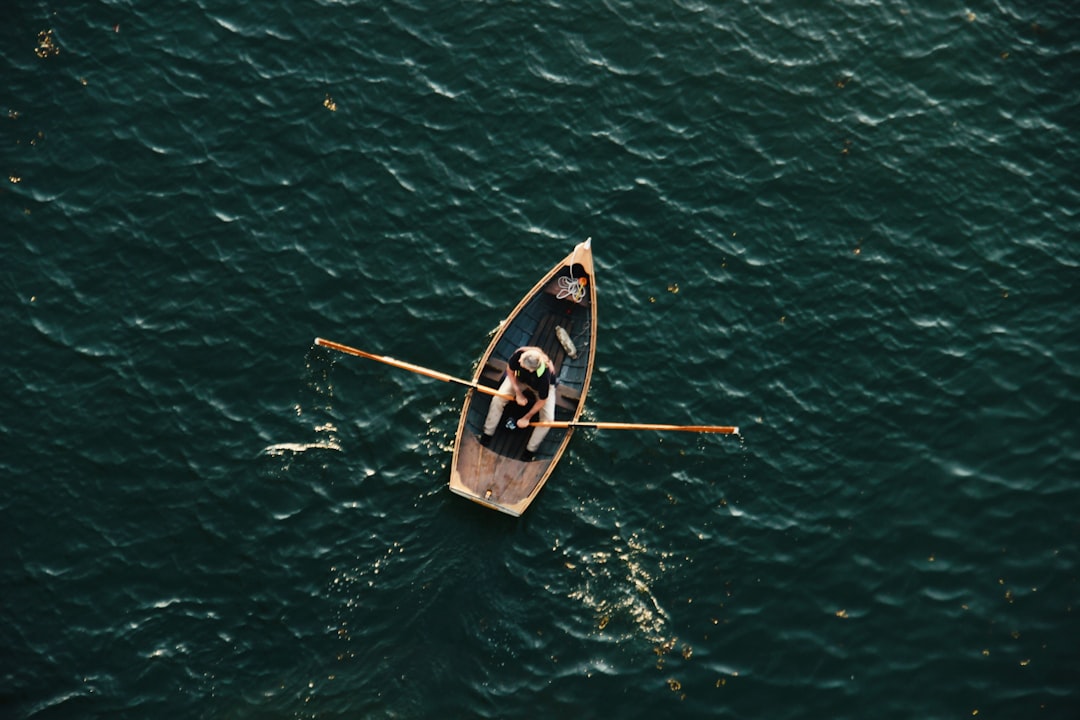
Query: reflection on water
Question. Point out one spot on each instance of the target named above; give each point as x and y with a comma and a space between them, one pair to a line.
617, 585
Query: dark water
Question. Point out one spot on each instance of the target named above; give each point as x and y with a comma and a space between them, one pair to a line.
851, 230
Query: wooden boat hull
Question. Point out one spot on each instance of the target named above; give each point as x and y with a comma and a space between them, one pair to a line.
495, 475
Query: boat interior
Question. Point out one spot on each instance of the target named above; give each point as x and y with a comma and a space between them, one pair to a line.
535, 325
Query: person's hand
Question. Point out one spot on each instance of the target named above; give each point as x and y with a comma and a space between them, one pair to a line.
523, 422
522, 400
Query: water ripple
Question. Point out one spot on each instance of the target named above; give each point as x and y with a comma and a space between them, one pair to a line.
840, 228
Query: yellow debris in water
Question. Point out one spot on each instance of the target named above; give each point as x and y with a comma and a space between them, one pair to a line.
46, 46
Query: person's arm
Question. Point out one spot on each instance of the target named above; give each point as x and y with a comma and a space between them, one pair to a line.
523, 421
519, 393
512, 366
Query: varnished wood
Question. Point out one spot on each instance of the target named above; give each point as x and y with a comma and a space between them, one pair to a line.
720, 429
496, 476
427, 372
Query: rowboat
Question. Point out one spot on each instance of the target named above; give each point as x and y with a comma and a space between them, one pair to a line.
562, 303
559, 316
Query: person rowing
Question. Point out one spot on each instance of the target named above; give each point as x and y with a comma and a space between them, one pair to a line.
529, 378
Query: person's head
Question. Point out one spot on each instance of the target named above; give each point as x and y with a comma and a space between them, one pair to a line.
533, 361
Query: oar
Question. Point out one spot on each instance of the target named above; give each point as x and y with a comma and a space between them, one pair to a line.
722, 429
410, 367
725, 429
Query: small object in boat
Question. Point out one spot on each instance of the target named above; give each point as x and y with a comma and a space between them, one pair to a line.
565, 341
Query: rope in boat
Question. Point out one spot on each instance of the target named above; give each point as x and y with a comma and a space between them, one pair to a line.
572, 287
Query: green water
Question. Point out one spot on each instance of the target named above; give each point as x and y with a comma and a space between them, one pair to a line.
850, 230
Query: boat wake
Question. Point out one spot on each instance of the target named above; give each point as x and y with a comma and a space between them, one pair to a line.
296, 448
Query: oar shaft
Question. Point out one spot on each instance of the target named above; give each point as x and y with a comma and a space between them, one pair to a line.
721, 429
427, 372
